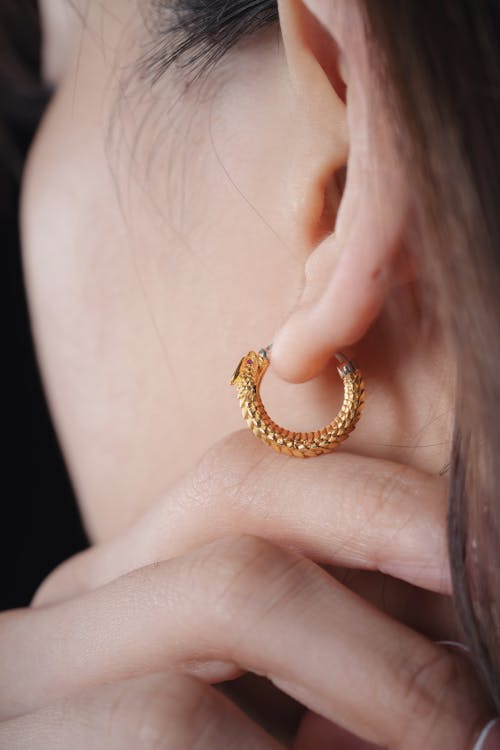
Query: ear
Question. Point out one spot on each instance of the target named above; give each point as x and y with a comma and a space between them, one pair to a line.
348, 273
316, 169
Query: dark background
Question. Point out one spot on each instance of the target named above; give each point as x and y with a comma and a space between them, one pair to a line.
40, 525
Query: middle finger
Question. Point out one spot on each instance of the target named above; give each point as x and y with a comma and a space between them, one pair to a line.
244, 603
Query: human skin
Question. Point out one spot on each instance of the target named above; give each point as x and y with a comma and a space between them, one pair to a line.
146, 287
165, 236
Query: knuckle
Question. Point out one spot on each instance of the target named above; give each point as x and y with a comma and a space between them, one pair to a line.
222, 472
428, 681
387, 488
400, 497
401, 489
249, 576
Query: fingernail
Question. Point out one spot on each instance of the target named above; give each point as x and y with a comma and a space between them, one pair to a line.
489, 737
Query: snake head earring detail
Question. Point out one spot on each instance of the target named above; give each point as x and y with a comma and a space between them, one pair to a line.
247, 378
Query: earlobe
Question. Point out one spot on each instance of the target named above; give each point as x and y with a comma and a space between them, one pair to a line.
348, 274
348, 277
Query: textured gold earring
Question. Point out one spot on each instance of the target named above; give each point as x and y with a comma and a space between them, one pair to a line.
248, 377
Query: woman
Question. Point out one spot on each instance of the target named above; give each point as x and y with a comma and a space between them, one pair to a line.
200, 168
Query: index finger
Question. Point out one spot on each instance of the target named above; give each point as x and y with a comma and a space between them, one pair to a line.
341, 509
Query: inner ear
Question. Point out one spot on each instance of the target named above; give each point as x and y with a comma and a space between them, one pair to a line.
333, 196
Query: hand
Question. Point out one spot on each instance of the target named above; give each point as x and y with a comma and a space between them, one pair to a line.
343, 509
129, 662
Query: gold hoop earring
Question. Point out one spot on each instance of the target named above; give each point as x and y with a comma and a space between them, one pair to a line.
248, 376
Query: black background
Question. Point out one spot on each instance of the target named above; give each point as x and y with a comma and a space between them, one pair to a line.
40, 525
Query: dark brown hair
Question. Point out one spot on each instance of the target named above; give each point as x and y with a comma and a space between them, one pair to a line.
439, 65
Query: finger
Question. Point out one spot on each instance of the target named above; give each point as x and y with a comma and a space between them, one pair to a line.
427, 612
317, 733
242, 602
153, 712
339, 509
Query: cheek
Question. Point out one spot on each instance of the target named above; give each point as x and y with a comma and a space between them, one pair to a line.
150, 269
